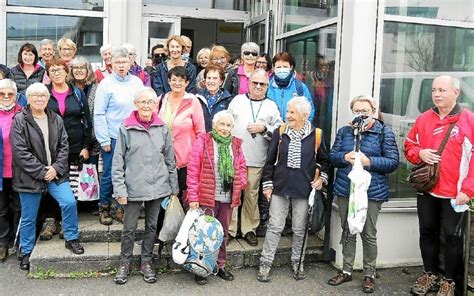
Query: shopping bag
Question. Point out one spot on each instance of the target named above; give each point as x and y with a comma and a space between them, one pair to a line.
174, 216
74, 179
316, 211
358, 200
180, 249
88, 183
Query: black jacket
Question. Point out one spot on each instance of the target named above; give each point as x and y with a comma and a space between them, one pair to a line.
209, 111
232, 82
76, 118
22, 82
29, 154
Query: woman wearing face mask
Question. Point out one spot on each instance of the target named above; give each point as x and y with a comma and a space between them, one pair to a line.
213, 98
379, 155
28, 70
159, 80
237, 81
284, 85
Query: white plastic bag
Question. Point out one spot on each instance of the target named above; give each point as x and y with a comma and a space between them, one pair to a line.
358, 200
180, 249
88, 183
174, 216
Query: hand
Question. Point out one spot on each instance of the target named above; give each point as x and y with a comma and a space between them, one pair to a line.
50, 174
462, 198
121, 200
148, 63
107, 148
317, 183
429, 156
85, 154
255, 128
268, 193
194, 205
365, 160
350, 157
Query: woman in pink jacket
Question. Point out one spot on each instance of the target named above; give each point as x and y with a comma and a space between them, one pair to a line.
217, 173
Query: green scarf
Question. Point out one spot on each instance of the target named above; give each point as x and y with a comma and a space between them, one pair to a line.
226, 167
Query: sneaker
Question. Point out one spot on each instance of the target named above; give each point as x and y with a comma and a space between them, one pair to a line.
251, 239
340, 278
74, 246
122, 274
446, 288
119, 212
200, 280
104, 215
148, 272
225, 275
264, 273
25, 261
368, 285
298, 274
48, 230
3, 253
425, 283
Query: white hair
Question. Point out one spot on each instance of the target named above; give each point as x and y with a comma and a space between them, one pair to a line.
46, 42
364, 98
8, 84
105, 47
251, 46
203, 51
221, 115
455, 83
129, 47
118, 53
37, 88
301, 104
148, 93
258, 71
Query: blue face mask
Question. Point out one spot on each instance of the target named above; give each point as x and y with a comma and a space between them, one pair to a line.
282, 73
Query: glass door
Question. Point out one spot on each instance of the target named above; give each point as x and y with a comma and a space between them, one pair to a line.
157, 29
259, 31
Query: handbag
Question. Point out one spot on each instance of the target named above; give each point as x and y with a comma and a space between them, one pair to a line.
424, 176
87, 183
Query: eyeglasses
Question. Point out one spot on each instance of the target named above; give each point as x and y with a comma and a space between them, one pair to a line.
39, 96
247, 53
121, 63
261, 63
147, 102
257, 83
132, 54
56, 71
361, 111
67, 49
7, 95
440, 90
79, 68
177, 81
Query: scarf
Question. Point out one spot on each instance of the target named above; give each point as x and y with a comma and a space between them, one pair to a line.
294, 147
226, 167
282, 83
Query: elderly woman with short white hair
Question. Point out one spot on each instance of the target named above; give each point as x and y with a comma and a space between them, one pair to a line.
217, 173
67, 49
237, 81
292, 155
40, 164
145, 150
202, 62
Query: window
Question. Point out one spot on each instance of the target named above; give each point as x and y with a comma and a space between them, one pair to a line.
459, 10
33, 28
243, 5
94, 5
391, 88
300, 13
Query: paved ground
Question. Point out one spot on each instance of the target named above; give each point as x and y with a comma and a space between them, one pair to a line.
394, 281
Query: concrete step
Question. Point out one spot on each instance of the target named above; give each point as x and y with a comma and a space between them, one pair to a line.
53, 259
90, 230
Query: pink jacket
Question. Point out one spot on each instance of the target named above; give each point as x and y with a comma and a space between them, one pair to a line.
187, 125
201, 172
6, 122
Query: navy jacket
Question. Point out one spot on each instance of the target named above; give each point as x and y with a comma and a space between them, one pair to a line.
159, 79
209, 111
378, 144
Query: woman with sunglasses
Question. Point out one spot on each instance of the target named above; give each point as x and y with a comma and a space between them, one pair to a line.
237, 81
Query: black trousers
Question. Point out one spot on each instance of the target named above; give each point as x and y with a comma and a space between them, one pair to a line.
9, 213
435, 214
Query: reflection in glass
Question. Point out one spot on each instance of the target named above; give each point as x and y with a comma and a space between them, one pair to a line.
243, 5
95, 5
459, 10
86, 32
413, 55
300, 13
315, 52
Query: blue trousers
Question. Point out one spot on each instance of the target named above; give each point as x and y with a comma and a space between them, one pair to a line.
106, 188
30, 202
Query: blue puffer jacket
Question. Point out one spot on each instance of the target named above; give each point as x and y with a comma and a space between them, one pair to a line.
378, 144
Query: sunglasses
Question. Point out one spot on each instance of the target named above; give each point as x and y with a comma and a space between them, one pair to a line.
257, 83
253, 53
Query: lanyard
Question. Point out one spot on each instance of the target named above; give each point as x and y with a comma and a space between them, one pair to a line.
254, 117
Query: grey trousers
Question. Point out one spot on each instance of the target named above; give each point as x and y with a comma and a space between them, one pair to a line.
279, 207
368, 236
130, 221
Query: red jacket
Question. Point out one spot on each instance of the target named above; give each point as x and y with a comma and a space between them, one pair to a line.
201, 172
457, 163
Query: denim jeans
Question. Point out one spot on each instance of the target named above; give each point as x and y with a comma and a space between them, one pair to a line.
30, 202
106, 188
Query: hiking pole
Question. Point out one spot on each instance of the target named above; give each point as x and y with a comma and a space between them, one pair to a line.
467, 251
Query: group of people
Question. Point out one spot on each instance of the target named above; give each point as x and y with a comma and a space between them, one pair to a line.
217, 136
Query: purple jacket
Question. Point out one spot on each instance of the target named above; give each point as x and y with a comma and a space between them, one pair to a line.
140, 73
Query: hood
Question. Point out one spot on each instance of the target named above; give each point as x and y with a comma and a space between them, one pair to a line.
132, 122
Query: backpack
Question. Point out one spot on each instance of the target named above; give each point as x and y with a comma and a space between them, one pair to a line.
317, 140
205, 238
80, 100
299, 88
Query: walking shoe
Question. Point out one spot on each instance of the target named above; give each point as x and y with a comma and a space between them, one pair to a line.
425, 283
3, 253
251, 239
25, 261
122, 274
264, 273
340, 278
298, 274
368, 285
225, 275
104, 215
148, 272
200, 280
74, 246
446, 288
119, 214
49, 229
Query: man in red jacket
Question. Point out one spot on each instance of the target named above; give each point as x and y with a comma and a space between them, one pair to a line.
455, 186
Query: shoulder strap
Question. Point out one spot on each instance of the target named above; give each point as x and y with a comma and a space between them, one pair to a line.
299, 87
281, 130
317, 139
445, 139
77, 94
